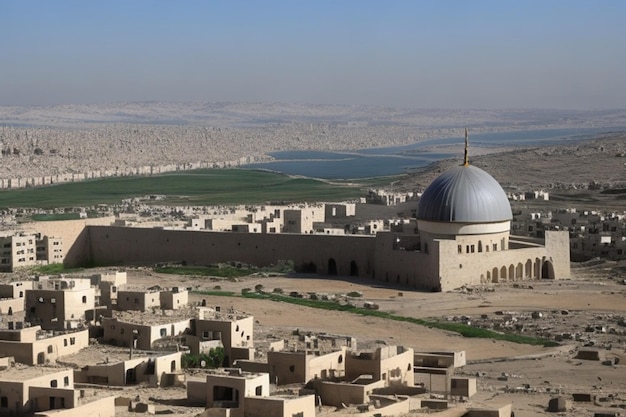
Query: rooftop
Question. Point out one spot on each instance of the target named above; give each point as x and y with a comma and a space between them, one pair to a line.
20, 372
104, 354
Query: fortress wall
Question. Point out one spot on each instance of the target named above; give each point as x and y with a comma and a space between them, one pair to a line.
141, 246
73, 234
405, 267
476, 268
557, 244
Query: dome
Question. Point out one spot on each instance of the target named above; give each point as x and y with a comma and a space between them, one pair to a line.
464, 194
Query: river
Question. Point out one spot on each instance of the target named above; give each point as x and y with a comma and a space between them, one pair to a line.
378, 162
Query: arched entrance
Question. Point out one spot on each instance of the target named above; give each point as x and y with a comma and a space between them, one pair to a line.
529, 269
332, 267
547, 270
354, 269
131, 376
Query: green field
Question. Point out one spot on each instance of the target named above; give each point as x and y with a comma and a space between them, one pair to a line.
462, 329
198, 187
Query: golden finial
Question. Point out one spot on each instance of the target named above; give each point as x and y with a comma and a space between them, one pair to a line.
466, 160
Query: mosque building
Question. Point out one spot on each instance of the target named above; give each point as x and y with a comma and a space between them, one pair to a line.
460, 236
463, 224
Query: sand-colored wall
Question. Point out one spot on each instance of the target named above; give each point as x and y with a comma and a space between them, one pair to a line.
104, 407
63, 397
12, 305
235, 333
287, 367
245, 386
196, 391
415, 269
437, 265
53, 309
121, 245
18, 392
121, 333
72, 232
462, 386
332, 364
173, 300
49, 348
397, 367
280, 407
137, 300
336, 393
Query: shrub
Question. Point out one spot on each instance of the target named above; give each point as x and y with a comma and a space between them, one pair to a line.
213, 359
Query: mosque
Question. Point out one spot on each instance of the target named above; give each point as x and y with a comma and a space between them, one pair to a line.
460, 236
463, 224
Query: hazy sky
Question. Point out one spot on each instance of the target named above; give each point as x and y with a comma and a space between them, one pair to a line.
426, 54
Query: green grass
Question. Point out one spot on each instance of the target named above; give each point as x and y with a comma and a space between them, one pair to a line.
462, 329
198, 187
52, 217
205, 271
53, 269
225, 270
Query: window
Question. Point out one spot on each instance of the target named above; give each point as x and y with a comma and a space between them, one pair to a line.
66, 381
84, 299
72, 340
54, 383
460, 248
259, 390
50, 349
163, 332
136, 300
64, 342
4, 402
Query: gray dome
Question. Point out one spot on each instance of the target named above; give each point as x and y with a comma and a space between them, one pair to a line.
464, 194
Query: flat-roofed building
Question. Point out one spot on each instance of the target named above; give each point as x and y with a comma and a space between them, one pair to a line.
17, 251
228, 390
25, 390
50, 250
138, 300
142, 330
236, 331
59, 303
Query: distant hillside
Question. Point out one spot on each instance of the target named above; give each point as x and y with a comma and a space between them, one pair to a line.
598, 163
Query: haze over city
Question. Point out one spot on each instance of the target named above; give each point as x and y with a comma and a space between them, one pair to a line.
456, 54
